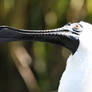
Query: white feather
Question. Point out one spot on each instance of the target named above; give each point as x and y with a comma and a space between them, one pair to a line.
77, 76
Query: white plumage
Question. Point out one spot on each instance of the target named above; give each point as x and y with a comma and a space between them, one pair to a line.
77, 76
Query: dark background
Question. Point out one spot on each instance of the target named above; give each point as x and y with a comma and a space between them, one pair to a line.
36, 66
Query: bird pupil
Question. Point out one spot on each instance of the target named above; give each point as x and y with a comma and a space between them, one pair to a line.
77, 26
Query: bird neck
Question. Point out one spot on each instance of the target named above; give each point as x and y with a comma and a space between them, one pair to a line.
77, 76
81, 59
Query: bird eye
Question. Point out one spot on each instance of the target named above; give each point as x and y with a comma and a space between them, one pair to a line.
76, 26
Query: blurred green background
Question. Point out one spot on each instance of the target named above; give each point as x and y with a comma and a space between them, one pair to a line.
36, 66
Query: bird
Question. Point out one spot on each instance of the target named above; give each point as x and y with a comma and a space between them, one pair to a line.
76, 37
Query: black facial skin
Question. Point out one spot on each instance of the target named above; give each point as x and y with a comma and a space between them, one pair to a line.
57, 36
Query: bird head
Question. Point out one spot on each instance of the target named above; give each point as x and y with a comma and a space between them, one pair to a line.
68, 36
85, 38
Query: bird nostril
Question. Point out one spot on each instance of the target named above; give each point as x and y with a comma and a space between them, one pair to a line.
66, 30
